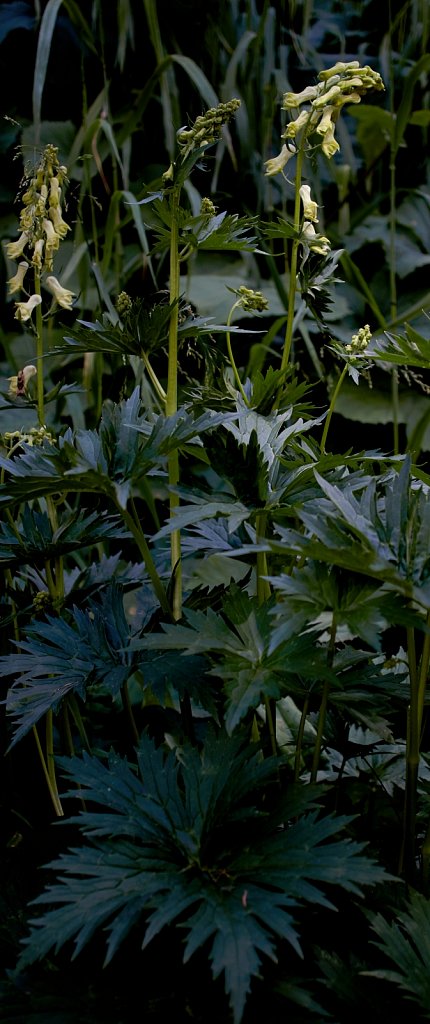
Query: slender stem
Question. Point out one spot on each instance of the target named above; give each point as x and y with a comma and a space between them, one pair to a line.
324, 704
74, 708
53, 792
392, 261
231, 356
126, 703
154, 379
263, 593
331, 407
172, 400
293, 262
39, 355
407, 855
299, 742
136, 530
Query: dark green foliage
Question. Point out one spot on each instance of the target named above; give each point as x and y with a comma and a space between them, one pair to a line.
190, 842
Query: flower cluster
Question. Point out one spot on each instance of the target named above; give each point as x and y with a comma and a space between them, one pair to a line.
207, 208
251, 300
344, 83
36, 435
359, 342
42, 229
207, 127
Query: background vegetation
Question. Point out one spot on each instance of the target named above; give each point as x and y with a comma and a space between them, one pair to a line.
215, 743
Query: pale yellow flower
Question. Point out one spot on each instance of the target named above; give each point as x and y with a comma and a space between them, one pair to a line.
294, 99
54, 192
327, 97
329, 144
326, 121
15, 283
52, 239
63, 296
310, 207
294, 127
316, 243
37, 258
23, 310
15, 249
340, 68
277, 163
59, 224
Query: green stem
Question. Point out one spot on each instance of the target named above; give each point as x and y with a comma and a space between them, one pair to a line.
331, 407
39, 355
159, 390
299, 742
293, 262
231, 356
52, 790
172, 401
324, 704
136, 531
392, 261
407, 855
126, 703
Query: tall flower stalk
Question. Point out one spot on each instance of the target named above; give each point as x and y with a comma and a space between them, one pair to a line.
42, 230
319, 108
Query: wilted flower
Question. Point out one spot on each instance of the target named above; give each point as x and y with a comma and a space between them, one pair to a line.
63, 296
310, 207
16, 282
18, 385
23, 310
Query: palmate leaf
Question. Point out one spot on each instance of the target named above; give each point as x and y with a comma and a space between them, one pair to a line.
33, 540
238, 647
410, 349
58, 658
380, 529
112, 460
406, 943
319, 589
189, 843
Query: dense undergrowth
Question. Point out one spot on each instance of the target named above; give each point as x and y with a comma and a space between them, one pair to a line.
215, 512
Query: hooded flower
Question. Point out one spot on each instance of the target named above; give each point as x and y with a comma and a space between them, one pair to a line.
277, 163
23, 310
15, 249
16, 282
310, 207
63, 296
